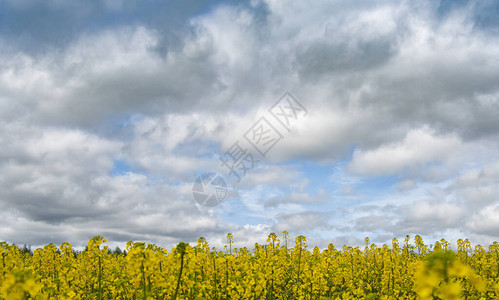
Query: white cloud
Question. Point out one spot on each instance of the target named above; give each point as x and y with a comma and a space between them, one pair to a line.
411, 93
486, 221
446, 213
300, 222
297, 198
418, 149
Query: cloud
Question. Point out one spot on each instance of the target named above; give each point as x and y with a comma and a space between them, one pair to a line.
418, 149
372, 223
405, 90
486, 221
423, 216
272, 175
297, 198
299, 222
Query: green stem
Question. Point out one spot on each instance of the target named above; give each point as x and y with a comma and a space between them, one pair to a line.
179, 275
100, 278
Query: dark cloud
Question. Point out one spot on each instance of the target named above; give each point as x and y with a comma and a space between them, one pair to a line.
40, 26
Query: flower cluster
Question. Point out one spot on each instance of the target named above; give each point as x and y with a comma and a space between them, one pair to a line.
277, 269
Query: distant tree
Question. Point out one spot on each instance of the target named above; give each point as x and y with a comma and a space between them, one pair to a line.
26, 250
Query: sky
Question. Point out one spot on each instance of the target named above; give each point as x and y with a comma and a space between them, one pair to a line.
110, 110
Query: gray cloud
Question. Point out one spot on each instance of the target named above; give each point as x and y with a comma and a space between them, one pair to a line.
297, 198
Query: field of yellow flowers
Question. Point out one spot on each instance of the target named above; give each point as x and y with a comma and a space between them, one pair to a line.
272, 270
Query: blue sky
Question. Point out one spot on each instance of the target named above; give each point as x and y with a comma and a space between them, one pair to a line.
110, 109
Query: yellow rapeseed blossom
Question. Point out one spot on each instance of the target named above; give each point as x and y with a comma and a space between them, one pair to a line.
277, 269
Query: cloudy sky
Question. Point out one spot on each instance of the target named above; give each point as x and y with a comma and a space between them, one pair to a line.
110, 109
